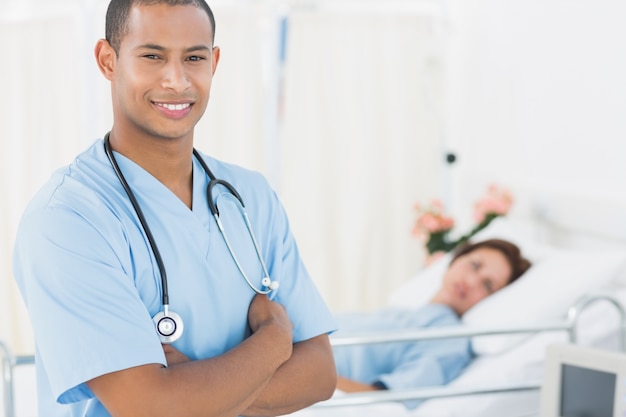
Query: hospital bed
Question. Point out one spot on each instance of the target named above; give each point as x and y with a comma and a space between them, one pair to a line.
497, 387
492, 390
572, 294
575, 291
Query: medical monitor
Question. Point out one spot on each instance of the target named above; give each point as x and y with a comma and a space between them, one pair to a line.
583, 382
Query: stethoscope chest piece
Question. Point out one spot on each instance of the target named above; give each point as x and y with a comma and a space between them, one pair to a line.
169, 327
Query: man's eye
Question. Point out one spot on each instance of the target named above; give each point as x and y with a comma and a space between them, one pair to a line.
475, 265
151, 56
196, 58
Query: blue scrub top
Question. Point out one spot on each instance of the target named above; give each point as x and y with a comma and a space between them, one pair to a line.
91, 283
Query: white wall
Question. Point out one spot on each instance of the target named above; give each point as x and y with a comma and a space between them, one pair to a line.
536, 96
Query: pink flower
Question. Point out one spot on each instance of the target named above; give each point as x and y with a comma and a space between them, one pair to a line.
497, 201
432, 225
431, 219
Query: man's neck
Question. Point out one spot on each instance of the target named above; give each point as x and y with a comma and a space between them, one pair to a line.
169, 161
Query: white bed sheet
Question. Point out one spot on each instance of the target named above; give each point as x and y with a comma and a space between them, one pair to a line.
598, 326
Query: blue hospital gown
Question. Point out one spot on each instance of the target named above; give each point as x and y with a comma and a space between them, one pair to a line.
402, 365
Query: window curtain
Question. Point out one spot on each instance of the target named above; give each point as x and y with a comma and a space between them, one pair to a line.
42, 119
360, 144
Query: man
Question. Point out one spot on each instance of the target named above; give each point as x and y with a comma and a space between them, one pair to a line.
95, 244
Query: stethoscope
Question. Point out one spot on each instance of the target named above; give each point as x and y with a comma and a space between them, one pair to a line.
169, 325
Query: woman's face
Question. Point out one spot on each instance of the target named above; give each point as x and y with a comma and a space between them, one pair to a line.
472, 277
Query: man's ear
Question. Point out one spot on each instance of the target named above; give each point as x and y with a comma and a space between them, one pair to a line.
105, 58
215, 57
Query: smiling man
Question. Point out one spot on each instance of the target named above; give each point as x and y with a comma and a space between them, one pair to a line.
141, 305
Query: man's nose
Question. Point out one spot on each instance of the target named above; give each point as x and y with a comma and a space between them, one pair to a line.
175, 77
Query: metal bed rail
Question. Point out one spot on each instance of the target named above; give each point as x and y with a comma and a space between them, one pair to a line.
569, 324
373, 397
9, 362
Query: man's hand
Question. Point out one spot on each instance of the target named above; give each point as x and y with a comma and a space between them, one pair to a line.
349, 385
173, 355
265, 313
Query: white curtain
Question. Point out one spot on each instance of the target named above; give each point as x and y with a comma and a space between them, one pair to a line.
42, 118
241, 113
360, 144
350, 140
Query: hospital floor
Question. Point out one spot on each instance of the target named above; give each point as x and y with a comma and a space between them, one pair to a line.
25, 396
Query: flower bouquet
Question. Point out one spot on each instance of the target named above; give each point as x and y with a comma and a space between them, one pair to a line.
433, 226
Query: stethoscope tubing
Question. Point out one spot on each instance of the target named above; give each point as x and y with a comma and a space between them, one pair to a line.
144, 224
213, 181
264, 289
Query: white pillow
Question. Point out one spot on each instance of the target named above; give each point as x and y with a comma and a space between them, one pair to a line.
421, 288
544, 293
556, 280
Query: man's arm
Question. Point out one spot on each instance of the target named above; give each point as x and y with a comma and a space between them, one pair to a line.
222, 386
307, 377
349, 385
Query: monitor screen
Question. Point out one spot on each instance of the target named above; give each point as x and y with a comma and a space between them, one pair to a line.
582, 381
586, 392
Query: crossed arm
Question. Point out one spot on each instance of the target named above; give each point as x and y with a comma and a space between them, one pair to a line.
266, 375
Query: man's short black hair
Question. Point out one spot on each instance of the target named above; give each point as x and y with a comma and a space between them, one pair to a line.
117, 16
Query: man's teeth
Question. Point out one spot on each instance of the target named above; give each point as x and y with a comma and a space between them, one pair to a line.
174, 106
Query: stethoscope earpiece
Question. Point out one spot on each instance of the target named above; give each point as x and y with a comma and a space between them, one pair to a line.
268, 285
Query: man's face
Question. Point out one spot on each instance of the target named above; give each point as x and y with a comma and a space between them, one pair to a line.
162, 76
474, 276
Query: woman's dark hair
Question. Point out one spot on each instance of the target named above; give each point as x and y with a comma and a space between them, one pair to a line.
519, 264
116, 26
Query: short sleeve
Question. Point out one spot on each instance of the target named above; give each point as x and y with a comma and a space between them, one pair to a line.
74, 284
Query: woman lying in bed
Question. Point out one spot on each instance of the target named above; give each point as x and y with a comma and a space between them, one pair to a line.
475, 272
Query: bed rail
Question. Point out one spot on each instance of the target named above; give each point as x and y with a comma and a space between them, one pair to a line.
9, 362
569, 324
373, 397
